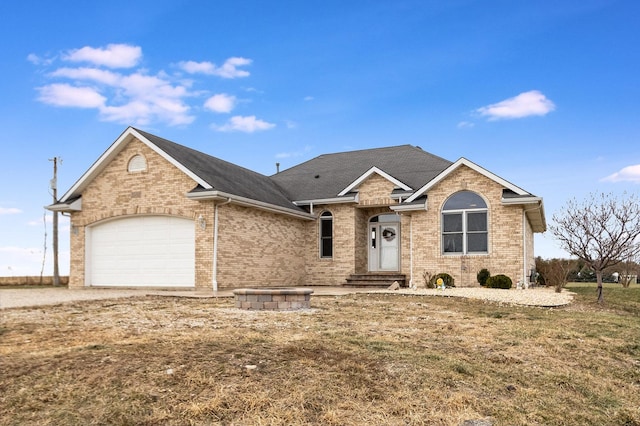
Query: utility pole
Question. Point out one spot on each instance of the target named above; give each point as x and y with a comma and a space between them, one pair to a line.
54, 188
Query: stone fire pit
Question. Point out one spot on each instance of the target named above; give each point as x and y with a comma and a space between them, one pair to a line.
273, 299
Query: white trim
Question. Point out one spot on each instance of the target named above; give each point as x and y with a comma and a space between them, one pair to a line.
464, 162
247, 202
525, 283
524, 200
411, 251
137, 163
127, 136
75, 205
337, 200
404, 207
215, 245
368, 173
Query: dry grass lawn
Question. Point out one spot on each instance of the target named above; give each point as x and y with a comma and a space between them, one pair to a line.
351, 360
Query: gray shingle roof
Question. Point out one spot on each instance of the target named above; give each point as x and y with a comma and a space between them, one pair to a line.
327, 175
224, 176
319, 178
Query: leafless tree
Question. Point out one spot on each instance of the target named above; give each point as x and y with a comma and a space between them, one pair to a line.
629, 269
602, 231
555, 271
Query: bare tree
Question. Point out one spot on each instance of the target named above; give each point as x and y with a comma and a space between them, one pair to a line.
629, 269
555, 271
602, 231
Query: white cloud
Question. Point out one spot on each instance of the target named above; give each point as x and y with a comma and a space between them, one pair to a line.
221, 103
93, 74
37, 60
465, 125
65, 95
228, 70
9, 210
300, 153
113, 56
308, 98
137, 96
25, 261
523, 105
48, 218
626, 174
244, 124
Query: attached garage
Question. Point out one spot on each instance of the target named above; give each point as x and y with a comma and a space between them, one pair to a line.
141, 251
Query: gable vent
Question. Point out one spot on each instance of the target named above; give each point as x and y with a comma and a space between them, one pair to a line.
137, 164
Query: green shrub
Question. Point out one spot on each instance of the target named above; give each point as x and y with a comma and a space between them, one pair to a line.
448, 280
482, 276
499, 281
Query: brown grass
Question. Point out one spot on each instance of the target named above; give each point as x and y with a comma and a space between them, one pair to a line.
351, 360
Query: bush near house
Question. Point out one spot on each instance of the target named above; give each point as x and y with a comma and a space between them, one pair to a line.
483, 276
448, 280
499, 281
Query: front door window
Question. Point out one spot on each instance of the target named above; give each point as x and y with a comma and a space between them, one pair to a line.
384, 243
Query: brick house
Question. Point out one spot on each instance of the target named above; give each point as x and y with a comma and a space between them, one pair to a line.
152, 213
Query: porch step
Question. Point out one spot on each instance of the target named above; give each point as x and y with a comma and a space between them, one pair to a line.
376, 280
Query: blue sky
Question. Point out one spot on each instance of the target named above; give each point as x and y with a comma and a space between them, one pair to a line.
545, 94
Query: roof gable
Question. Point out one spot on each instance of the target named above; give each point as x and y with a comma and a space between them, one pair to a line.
207, 172
464, 162
99, 165
355, 184
327, 176
223, 176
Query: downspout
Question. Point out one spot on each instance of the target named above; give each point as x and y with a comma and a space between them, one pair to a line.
215, 245
411, 251
525, 283
525, 275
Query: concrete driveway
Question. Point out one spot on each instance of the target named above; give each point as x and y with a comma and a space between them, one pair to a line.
26, 297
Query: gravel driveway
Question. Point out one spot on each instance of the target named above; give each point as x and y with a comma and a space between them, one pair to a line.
15, 298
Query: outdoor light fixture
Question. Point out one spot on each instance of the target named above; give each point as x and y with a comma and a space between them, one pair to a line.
202, 222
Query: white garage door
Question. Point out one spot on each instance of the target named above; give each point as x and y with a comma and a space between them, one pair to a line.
152, 251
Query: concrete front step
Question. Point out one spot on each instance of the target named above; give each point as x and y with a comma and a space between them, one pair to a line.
375, 280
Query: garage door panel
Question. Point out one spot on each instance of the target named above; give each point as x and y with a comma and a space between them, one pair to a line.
153, 251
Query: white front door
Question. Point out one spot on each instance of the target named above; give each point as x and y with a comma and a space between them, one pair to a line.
384, 244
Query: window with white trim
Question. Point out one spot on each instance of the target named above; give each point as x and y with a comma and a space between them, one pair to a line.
465, 224
326, 235
137, 163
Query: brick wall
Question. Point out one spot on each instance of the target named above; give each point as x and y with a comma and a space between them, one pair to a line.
333, 271
257, 248
350, 230
116, 193
505, 234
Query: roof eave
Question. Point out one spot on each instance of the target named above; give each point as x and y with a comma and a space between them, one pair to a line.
247, 202
115, 148
335, 200
409, 207
535, 214
73, 206
464, 162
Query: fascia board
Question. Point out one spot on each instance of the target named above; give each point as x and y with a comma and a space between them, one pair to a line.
98, 165
368, 173
171, 160
74, 206
524, 200
110, 154
247, 202
535, 214
464, 162
337, 200
409, 207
